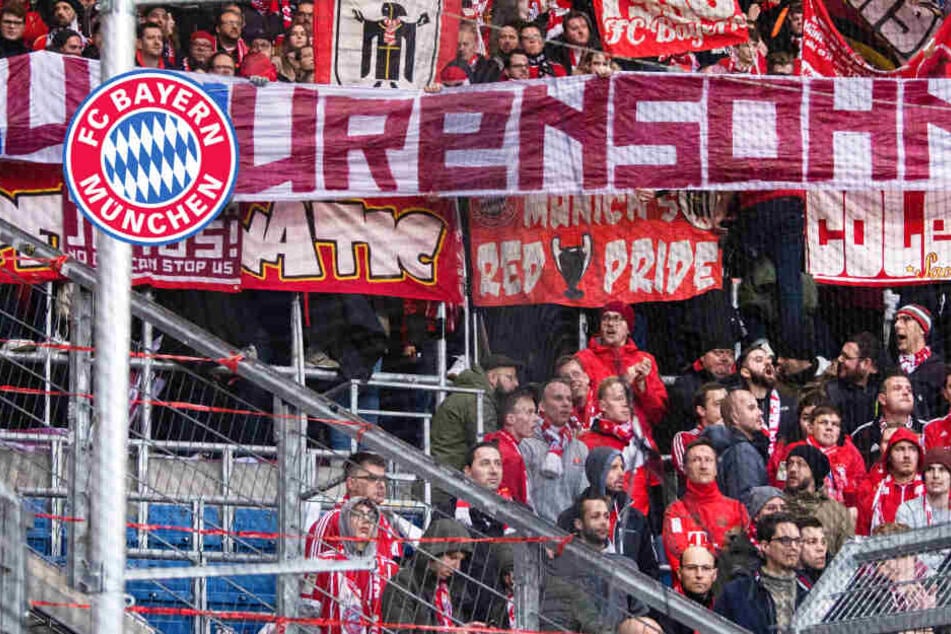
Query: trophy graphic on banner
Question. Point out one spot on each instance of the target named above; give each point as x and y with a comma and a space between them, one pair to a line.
572, 262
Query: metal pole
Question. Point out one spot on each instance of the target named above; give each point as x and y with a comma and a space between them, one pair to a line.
441, 362
527, 576
143, 449
112, 335
80, 450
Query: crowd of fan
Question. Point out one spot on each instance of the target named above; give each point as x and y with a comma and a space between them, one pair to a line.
274, 40
774, 478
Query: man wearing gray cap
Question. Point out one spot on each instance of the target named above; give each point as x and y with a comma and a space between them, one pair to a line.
454, 424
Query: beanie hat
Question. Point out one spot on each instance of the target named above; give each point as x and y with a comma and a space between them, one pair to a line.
258, 65
625, 310
817, 461
938, 455
757, 498
453, 73
204, 35
919, 313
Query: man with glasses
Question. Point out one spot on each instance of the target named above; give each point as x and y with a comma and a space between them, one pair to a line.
697, 574
228, 29
365, 476
613, 353
855, 387
12, 25
765, 601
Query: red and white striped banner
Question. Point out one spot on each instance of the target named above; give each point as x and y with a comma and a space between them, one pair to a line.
575, 134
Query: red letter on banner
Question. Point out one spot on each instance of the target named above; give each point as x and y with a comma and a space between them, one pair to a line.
923, 110
22, 139
588, 126
862, 105
754, 130
370, 137
299, 168
468, 123
668, 146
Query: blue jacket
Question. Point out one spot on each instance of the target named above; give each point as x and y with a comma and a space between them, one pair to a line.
741, 466
748, 603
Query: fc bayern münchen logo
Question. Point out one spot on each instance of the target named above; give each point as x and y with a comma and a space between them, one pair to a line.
150, 158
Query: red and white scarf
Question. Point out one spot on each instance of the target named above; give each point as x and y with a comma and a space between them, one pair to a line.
772, 419
910, 362
878, 515
510, 608
504, 436
556, 437
443, 603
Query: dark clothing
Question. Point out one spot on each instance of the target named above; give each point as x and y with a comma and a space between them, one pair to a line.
632, 536
739, 556
673, 627
788, 414
681, 415
610, 605
867, 439
9, 48
748, 603
741, 465
856, 404
927, 381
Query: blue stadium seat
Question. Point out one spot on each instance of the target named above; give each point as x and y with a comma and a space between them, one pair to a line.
258, 520
164, 592
170, 515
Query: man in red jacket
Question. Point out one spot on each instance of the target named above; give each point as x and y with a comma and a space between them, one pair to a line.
938, 431
517, 421
613, 353
879, 501
703, 516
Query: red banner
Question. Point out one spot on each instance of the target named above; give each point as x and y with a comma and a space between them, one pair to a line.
826, 53
404, 247
878, 238
648, 28
589, 250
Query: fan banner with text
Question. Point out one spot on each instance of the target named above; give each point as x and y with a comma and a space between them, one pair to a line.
649, 28
888, 238
572, 135
589, 250
402, 247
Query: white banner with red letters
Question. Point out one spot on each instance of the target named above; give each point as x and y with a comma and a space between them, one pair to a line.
878, 238
577, 134
649, 28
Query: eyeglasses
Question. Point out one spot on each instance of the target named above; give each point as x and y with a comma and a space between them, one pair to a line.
787, 541
371, 478
612, 318
12, 22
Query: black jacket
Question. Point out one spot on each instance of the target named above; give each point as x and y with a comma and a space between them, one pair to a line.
748, 603
927, 381
855, 403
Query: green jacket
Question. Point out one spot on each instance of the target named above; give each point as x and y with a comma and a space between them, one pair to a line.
837, 524
454, 423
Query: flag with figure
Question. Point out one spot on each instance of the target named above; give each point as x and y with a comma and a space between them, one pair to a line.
384, 44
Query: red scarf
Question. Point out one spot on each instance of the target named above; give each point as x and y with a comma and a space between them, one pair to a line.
443, 603
622, 431
910, 362
556, 437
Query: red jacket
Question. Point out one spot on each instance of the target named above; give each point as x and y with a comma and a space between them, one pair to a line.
514, 473
600, 361
879, 498
702, 517
355, 595
938, 433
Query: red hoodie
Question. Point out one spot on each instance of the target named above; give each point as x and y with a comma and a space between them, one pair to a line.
600, 361
879, 500
702, 517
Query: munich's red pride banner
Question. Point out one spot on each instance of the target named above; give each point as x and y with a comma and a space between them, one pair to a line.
648, 28
404, 247
589, 250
